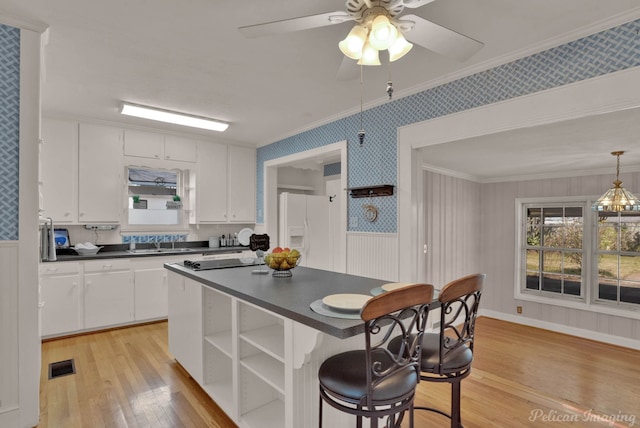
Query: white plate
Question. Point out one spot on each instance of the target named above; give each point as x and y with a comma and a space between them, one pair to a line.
395, 285
244, 236
346, 302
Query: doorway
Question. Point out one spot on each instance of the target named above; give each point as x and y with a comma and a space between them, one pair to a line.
334, 186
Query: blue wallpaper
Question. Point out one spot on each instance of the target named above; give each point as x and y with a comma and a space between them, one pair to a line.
376, 161
9, 131
332, 169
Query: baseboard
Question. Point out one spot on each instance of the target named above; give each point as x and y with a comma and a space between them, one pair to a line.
560, 328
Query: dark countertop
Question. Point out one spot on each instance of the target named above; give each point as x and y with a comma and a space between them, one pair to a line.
289, 297
118, 251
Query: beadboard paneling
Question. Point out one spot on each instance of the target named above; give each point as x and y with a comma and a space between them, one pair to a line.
452, 228
8, 327
374, 255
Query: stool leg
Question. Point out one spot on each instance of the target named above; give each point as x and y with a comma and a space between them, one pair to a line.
455, 405
320, 415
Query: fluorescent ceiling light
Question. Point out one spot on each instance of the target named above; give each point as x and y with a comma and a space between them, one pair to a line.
173, 117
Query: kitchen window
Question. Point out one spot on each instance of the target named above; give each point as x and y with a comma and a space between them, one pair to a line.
569, 255
154, 198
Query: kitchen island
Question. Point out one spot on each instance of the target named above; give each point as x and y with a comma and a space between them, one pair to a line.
253, 343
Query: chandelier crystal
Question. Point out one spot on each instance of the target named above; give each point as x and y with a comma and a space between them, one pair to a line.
617, 199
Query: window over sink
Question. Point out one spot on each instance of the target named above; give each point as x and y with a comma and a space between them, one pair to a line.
154, 198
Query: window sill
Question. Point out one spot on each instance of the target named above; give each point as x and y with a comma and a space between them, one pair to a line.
580, 304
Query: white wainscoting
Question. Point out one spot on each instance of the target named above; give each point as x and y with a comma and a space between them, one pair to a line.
374, 255
9, 399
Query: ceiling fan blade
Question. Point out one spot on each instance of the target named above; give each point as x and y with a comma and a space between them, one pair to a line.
295, 24
413, 4
439, 39
349, 69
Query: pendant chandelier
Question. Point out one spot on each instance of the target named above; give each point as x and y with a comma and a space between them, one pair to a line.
374, 34
617, 199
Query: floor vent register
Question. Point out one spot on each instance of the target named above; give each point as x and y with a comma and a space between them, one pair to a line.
61, 368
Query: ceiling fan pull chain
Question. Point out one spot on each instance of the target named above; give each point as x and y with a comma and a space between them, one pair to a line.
389, 83
361, 132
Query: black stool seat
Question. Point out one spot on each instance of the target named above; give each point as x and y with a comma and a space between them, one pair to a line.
347, 373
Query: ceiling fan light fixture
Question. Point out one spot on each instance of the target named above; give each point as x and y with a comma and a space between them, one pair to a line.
353, 44
617, 199
399, 48
383, 33
167, 116
370, 55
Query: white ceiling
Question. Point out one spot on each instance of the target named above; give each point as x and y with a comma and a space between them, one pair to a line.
187, 55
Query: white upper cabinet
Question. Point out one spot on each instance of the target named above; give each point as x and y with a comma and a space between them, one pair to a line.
100, 171
143, 144
211, 184
157, 146
59, 170
180, 149
242, 184
224, 184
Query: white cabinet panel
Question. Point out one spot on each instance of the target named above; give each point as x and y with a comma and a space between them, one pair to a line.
180, 149
59, 170
150, 293
100, 170
143, 144
225, 184
242, 184
61, 307
211, 183
185, 324
108, 298
159, 146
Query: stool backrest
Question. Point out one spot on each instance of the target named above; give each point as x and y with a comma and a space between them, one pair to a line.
402, 312
459, 301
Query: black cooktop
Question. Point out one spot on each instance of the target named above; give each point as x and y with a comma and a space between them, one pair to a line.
221, 264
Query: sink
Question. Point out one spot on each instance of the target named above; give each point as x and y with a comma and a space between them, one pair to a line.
161, 250
145, 251
175, 250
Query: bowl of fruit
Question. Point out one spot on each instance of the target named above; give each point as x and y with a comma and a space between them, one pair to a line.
282, 260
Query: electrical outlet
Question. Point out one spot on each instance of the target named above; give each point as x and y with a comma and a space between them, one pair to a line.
519, 309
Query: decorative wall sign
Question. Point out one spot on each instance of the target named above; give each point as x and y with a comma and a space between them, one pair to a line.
370, 212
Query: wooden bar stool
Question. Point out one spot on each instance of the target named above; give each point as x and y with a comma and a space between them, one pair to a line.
448, 354
375, 382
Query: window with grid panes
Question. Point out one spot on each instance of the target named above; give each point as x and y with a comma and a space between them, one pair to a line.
618, 258
554, 249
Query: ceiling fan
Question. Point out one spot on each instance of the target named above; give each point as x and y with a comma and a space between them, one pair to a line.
367, 14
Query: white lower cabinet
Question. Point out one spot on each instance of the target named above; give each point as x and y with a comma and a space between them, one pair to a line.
108, 293
60, 298
150, 287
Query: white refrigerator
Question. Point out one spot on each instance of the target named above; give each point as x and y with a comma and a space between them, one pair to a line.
305, 223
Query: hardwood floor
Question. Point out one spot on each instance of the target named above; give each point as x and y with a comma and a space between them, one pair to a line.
522, 377
124, 378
